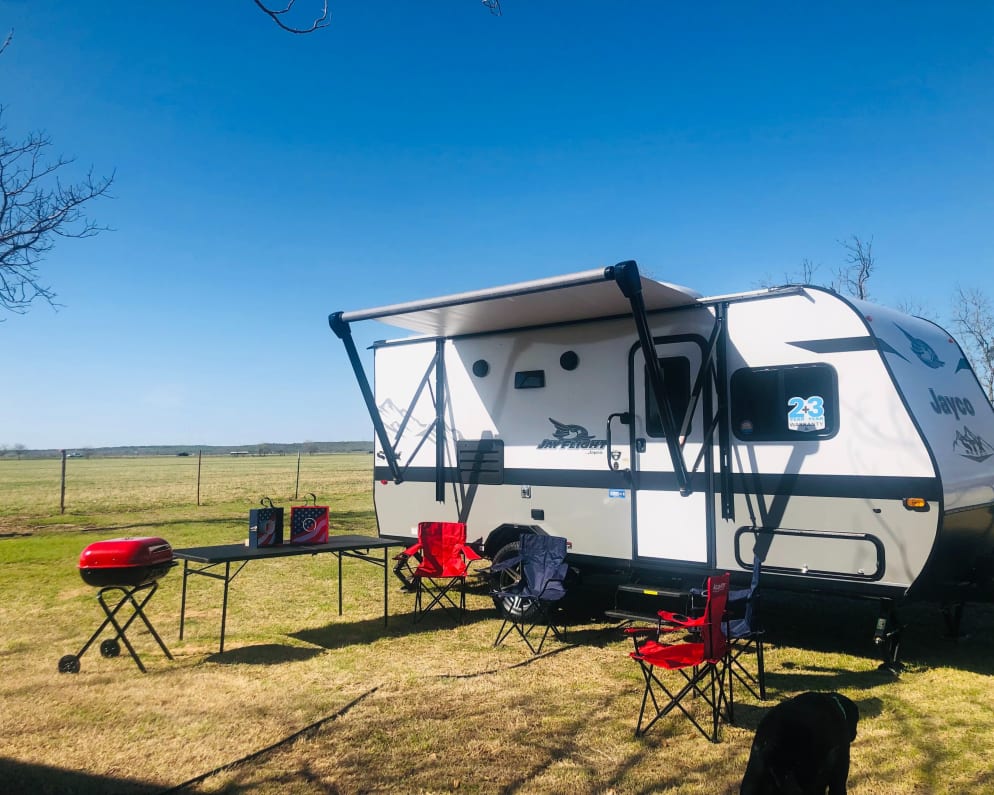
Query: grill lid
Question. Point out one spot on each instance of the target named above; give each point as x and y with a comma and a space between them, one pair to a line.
116, 553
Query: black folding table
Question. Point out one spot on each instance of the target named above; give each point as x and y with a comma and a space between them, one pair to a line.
234, 557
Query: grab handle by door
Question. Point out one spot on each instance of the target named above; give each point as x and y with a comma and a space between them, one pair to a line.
625, 418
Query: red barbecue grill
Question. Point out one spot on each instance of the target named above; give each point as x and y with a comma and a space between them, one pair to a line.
130, 567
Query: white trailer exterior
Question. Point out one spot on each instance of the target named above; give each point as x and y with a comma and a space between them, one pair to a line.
849, 445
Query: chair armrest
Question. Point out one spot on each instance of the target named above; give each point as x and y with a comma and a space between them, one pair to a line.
504, 565
561, 582
469, 553
411, 550
680, 619
741, 594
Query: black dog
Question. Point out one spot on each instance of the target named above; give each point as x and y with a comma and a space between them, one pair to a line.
801, 747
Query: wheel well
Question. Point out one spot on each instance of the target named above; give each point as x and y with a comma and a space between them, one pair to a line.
505, 534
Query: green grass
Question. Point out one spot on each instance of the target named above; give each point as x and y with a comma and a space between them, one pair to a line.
424, 708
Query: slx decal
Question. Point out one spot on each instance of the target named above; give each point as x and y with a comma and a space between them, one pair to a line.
971, 446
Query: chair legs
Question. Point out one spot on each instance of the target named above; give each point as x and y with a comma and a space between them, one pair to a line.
524, 627
706, 681
755, 683
429, 593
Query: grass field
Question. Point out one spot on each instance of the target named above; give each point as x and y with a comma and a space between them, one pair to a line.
306, 701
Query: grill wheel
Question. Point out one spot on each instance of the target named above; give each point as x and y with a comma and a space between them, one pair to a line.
69, 664
110, 648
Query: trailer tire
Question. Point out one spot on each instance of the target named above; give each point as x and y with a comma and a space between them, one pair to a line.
510, 606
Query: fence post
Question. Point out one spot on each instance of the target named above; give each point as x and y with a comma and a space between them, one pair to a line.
62, 493
296, 491
200, 455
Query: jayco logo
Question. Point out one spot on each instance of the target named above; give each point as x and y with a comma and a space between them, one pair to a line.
947, 404
571, 437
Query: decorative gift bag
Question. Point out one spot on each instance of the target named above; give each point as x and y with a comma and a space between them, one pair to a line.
309, 523
265, 525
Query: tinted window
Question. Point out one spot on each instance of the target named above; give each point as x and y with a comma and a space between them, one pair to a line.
676, 381
776, 404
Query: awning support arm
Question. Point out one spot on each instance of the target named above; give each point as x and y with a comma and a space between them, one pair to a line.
440, 420
344, 333
626, 275
724, 437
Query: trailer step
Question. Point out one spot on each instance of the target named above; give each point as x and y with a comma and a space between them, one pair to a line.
648, 590
630, 617
641, 601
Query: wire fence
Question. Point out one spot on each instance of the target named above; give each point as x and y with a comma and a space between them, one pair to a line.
47, 487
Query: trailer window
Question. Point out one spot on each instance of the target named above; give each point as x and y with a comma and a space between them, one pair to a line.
676, 381
785, 404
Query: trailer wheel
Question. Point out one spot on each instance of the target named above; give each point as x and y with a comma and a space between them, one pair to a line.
69, 664
110, 648
510, 606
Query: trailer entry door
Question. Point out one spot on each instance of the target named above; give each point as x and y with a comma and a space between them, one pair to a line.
668, 525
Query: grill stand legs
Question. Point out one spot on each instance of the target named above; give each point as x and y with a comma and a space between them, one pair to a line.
110, 647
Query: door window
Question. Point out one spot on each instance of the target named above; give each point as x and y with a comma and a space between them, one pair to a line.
676, 382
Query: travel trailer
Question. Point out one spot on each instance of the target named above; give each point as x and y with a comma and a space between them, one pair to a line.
667, 435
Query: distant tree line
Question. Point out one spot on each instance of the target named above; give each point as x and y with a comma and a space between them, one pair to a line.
125, 451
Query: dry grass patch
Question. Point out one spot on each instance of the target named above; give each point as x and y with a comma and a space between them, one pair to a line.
420, 708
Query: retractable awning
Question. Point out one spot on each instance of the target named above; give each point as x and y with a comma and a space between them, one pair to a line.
561, 299
615, 291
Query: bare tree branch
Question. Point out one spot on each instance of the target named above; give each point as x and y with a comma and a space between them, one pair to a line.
804, 275
914, 307
279, 14
973, 318
853, 277
277, 17
36, 208
7, 40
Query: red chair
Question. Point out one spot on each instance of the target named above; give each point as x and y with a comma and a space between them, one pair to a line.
743, 628
444, 558
702, 665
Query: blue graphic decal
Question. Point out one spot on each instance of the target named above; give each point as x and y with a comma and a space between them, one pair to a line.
923, 351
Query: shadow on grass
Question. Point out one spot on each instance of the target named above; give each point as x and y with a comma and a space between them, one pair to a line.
23, 777
165, 523
264, 654
748, 714
831, 624
340, 635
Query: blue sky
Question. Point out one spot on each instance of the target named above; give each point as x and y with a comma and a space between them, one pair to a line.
264, 180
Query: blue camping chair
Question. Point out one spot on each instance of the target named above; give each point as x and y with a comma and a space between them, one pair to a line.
745, 634
530, 601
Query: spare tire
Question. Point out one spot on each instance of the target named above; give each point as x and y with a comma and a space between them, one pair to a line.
512, 607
